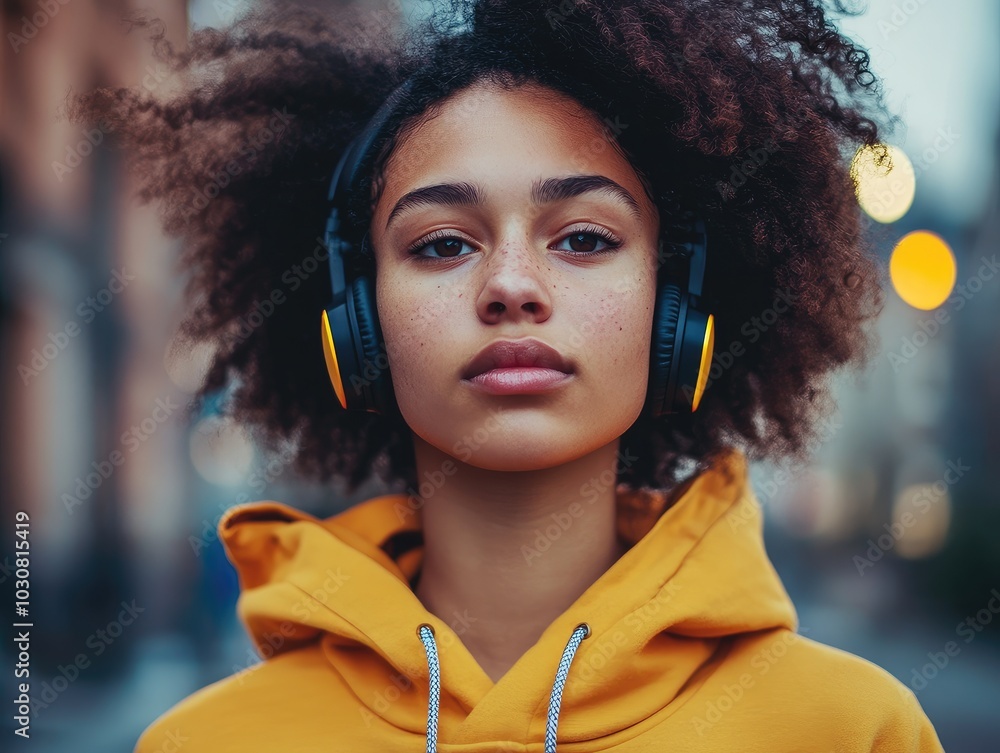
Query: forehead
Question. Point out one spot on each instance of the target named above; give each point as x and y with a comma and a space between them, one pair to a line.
504, 138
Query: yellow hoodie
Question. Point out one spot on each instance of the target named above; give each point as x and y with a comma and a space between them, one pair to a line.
687, 643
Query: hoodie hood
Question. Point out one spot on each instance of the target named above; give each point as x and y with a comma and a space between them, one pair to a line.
634, 643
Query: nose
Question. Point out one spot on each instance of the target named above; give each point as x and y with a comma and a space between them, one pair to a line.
516, 285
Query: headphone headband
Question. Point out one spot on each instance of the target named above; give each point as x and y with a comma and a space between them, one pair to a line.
343, 183
346, 173
683, 233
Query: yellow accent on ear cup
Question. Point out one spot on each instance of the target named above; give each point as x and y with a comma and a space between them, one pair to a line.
330, 353
706, 362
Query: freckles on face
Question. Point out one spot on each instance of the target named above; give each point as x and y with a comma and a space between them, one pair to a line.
610, 327
419, 320
460, 268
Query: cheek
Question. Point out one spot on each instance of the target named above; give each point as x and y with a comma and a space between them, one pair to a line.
623, 323
412, 324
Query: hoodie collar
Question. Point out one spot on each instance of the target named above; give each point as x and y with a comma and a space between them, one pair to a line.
696, 573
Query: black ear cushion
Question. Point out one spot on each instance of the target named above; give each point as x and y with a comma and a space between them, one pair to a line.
368, 329
665, 317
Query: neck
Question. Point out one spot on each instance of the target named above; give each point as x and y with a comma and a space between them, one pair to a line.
506, 552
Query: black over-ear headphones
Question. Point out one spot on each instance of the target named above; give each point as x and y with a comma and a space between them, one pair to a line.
683, 334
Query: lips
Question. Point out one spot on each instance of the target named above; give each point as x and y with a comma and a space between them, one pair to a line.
504, 354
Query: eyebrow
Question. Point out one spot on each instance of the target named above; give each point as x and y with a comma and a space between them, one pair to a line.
542, 192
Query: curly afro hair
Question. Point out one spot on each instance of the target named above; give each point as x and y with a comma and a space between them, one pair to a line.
749, 109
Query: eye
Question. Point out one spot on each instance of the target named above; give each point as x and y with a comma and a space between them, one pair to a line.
584, 241
441, 242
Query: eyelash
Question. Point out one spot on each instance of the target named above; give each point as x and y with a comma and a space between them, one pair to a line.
612, 242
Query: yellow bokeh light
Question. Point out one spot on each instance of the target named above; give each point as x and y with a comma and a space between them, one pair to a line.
884, 191
922, 269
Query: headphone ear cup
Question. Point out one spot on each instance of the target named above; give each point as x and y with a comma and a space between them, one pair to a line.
334, 332
379, 396
663, 347
697, 343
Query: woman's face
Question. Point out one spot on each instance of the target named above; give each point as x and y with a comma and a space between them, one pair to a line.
510, 266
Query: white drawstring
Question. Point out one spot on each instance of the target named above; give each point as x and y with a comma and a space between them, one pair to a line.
426, 634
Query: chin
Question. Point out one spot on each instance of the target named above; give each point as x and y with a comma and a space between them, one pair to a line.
532, 450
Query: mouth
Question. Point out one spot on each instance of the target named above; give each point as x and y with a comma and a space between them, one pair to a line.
507, 354
506, 367
519, 380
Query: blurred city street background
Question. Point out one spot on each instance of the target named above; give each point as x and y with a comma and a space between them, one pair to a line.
887, 539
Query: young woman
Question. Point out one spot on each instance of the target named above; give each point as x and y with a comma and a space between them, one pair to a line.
550, 217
